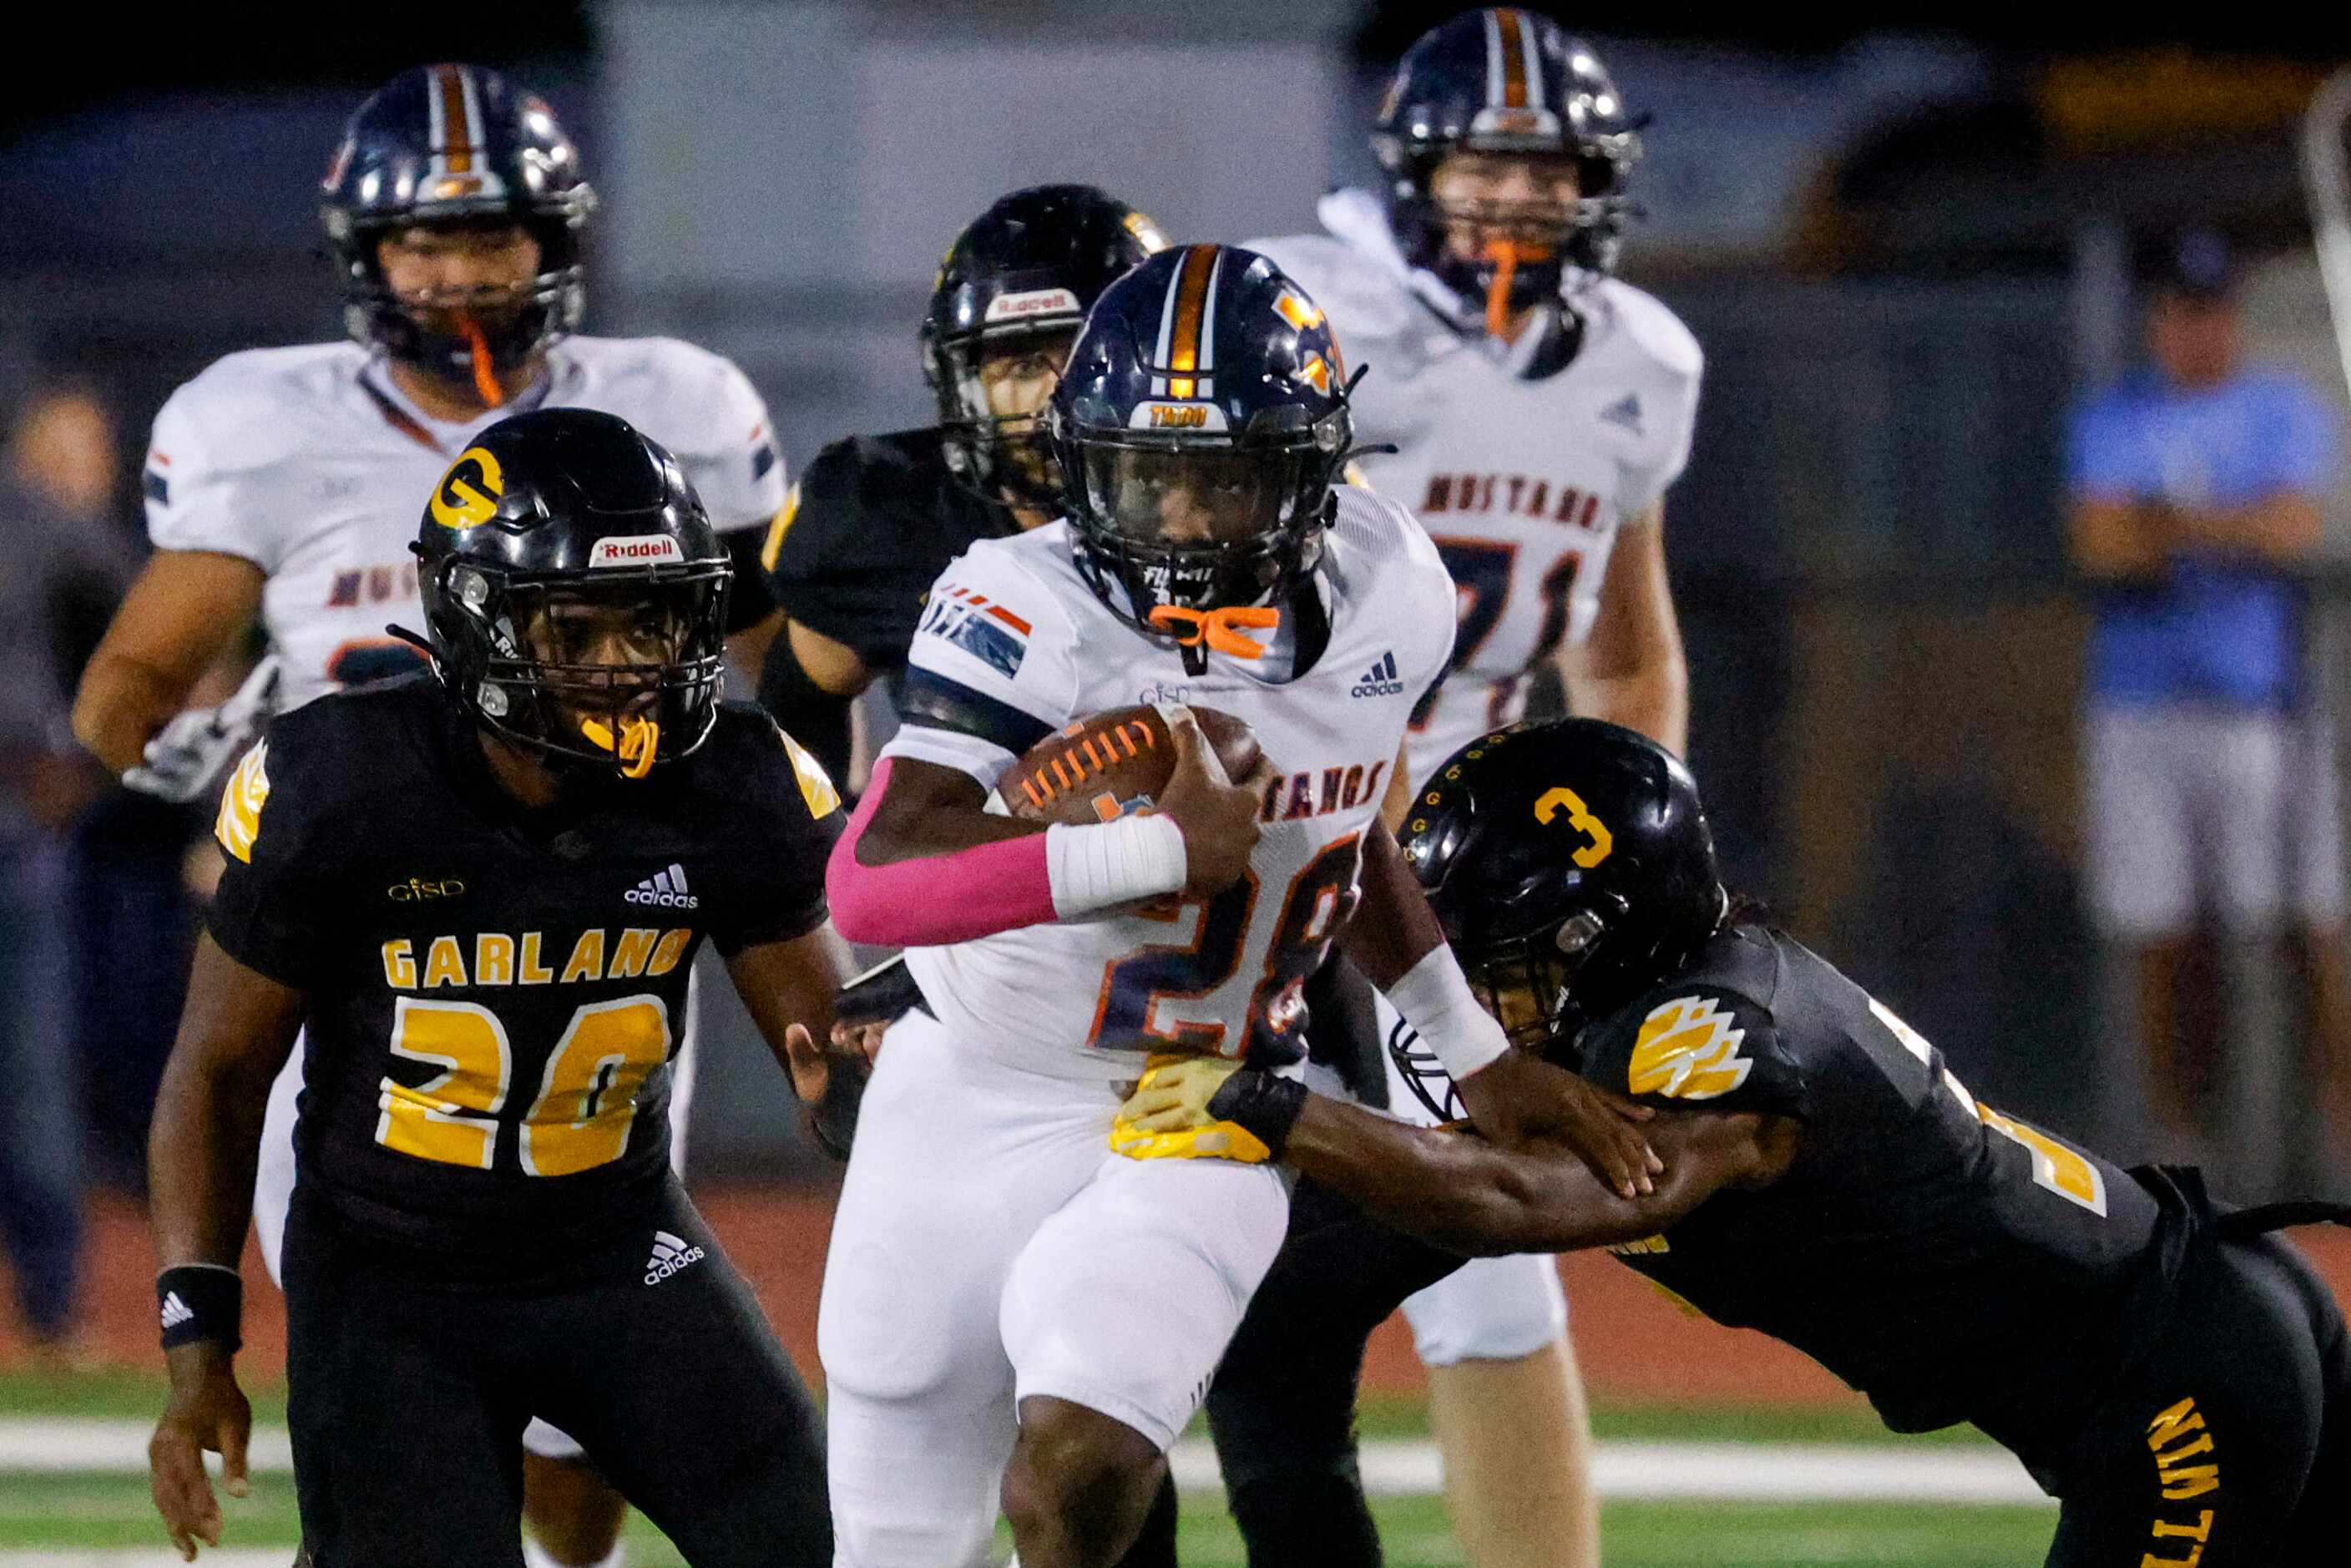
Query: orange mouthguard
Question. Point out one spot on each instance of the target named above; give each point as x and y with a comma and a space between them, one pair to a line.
1218, 628
640, 738
485, 380
1504, 255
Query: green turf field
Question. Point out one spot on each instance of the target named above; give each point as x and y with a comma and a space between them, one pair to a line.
111, 1510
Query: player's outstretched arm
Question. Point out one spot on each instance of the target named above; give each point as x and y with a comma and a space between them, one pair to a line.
235, 1031
1465, 1194
1446, 1186
181, 614
1395, 940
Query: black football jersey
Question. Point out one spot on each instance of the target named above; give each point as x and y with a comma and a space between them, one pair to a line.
1950, 1262
870, 526
495, 992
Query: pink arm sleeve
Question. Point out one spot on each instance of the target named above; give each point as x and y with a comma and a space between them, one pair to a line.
933, 900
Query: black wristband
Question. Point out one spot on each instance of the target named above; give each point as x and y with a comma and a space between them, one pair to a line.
1261, 1104
201, 1300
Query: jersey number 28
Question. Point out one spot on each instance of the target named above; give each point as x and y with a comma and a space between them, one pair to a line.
1135, 989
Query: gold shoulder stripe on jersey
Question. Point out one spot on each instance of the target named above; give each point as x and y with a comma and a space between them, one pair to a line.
1687, 1050
772, 547
816, 784
457, 503
240, 809
1146, 233
1553, 801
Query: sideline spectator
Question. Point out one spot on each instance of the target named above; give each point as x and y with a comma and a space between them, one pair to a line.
129, 917
63, 558
2210, 793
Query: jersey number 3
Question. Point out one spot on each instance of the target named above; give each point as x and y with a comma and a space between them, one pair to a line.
587, 1097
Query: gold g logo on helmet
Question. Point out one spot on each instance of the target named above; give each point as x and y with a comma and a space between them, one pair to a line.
460, 503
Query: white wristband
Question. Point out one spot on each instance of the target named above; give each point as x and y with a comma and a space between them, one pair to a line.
1100, 864
1434, 998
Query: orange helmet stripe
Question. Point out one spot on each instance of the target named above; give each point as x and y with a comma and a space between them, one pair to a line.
450, 83
1191, 308
1514, 59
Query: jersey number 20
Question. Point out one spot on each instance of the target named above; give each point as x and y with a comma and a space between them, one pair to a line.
587, 1097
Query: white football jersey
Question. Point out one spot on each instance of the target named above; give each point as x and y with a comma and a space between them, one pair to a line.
1522, 482
1014, 639
307, 462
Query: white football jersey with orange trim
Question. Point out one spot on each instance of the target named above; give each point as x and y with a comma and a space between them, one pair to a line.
308, 462
1014, 645
1521, 481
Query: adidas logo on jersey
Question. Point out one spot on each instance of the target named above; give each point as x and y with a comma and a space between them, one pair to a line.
176, 1311
671, 1255
1380, 680
667, 889
1626, 411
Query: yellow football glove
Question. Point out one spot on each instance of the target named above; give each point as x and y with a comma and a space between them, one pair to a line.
1166, 1117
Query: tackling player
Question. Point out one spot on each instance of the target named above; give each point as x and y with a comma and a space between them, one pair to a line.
282, 484
1538, 408
2181, 1381
875, 518
481, 889
1071, 1311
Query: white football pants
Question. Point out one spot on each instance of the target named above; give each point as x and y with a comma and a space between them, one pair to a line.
988, 1247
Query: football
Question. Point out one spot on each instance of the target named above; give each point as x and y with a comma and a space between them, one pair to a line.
1100, 768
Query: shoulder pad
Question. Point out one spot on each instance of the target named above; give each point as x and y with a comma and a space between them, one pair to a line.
1362, 298
1691, 1044
1651, 327
1380, 525
692, 401
307, 779
245, 411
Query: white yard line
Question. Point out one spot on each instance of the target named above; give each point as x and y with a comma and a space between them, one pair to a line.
1752, 1472
142, 1557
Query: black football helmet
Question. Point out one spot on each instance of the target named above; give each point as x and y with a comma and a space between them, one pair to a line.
1030, 267
1506, 79
560, 538
457, 144
1204, 376
1569, 861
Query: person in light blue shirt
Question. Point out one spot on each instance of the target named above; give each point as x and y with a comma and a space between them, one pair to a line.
2195, 499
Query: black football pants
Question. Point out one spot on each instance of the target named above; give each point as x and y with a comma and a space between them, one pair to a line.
408, 1395
2232, 1446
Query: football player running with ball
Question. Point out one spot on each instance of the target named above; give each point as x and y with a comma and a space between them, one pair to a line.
2177, 1378
282, 487
480, 891
1538, 409
1007, 1303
